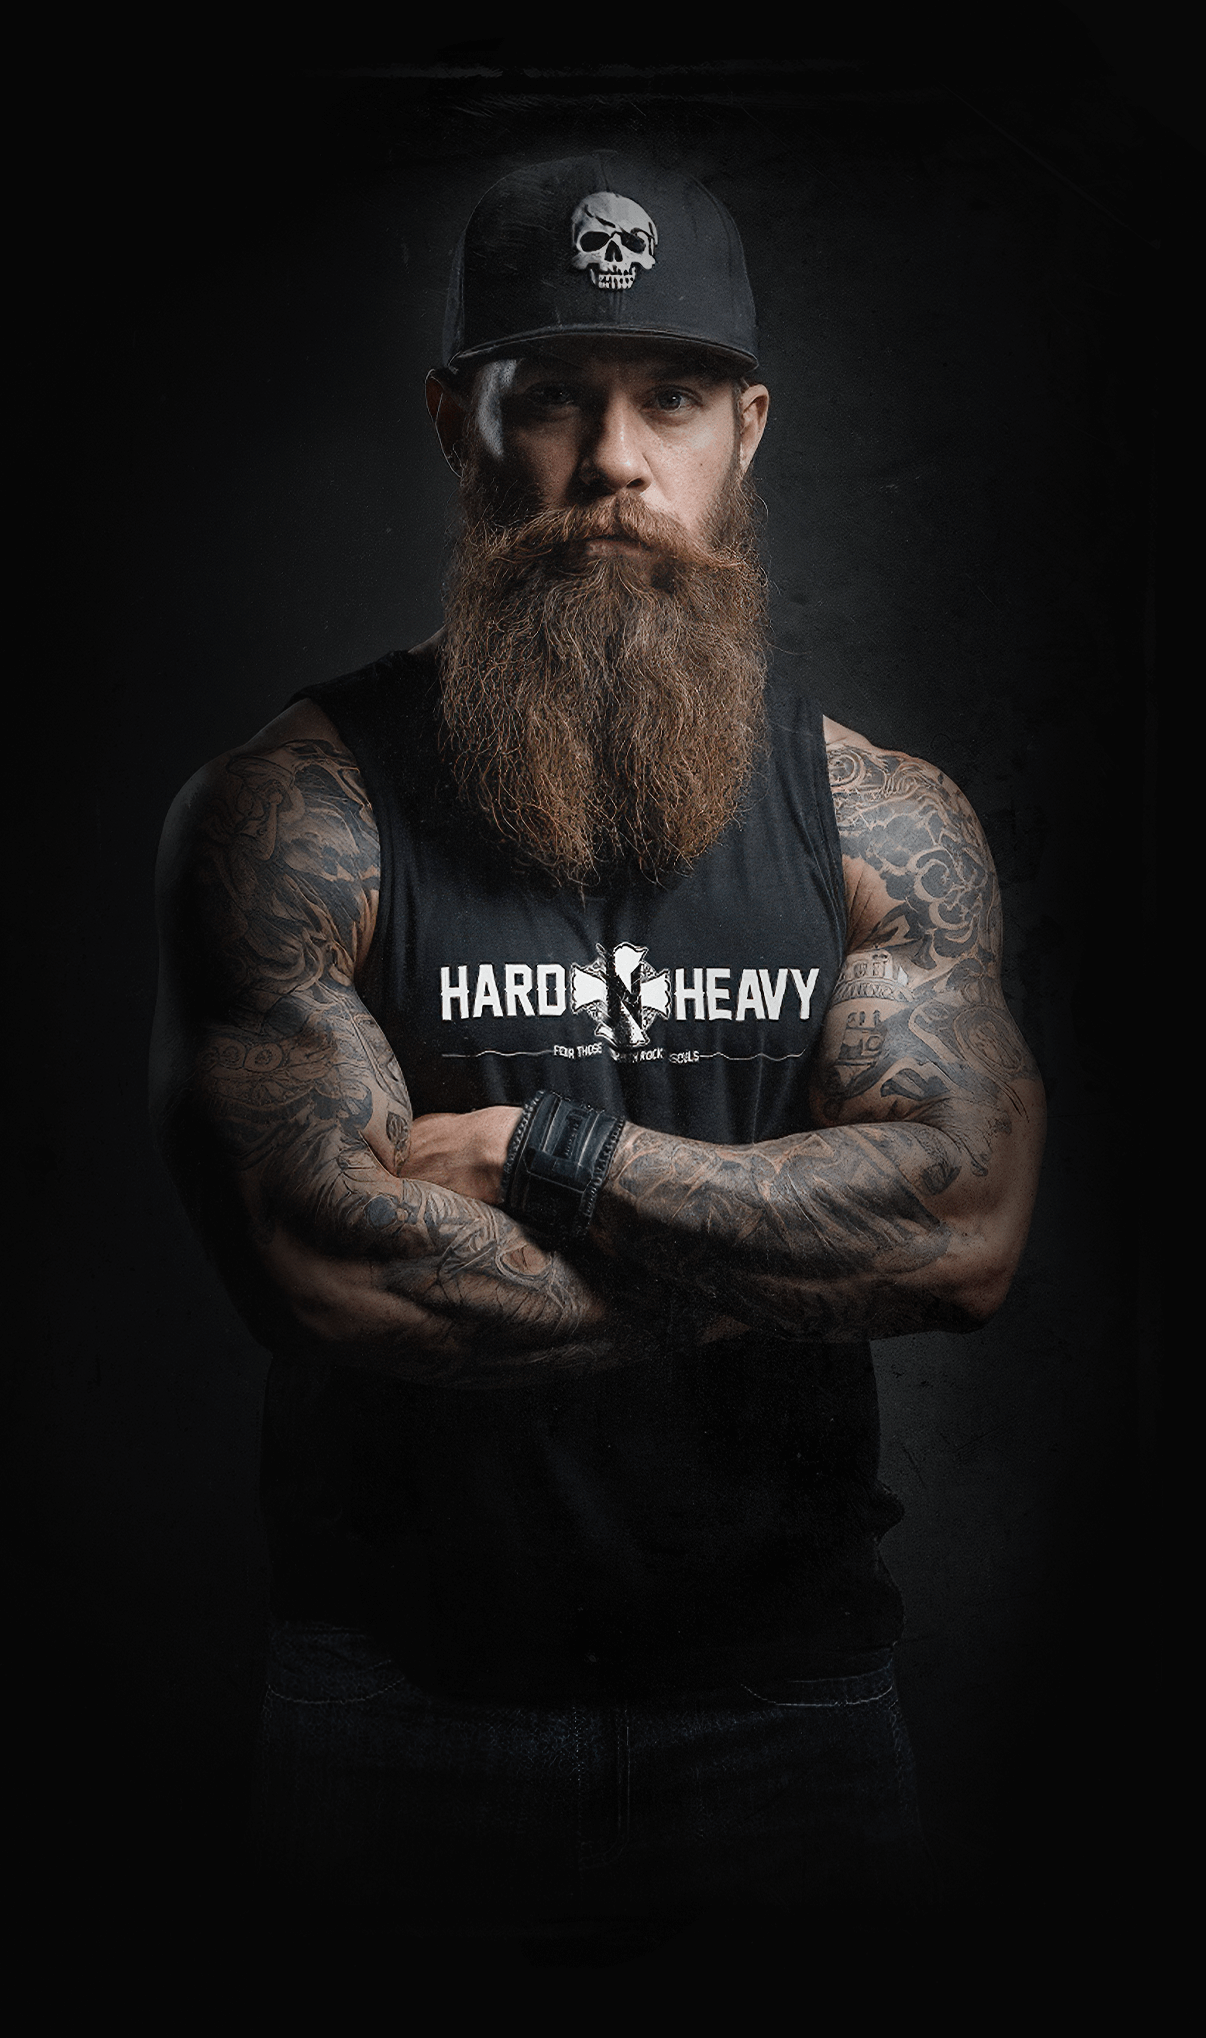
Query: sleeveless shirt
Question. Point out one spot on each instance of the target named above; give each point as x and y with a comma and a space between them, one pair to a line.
683, 1520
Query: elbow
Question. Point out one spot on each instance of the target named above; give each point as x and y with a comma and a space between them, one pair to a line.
988, 1243
973, 1307
320, 1318
981, 1282
334, 1301
342, 1313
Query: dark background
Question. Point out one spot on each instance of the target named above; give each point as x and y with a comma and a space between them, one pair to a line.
973, 260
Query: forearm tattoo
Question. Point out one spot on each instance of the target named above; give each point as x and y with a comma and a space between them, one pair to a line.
293, 1116
919, 1084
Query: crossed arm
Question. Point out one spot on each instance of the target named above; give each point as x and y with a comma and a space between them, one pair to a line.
337, 1217
282, 1110
909, 1209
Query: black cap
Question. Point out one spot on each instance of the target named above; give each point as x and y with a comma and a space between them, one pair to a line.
598, 244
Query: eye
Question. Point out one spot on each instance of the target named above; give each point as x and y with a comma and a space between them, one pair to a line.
673, 400
551, 395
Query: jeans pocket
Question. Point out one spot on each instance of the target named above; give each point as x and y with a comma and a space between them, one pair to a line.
311, 1663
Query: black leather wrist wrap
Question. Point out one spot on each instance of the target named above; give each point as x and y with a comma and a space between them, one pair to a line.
556, 1163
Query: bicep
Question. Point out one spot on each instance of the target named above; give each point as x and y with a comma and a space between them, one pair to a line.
265, 1055
918, 1027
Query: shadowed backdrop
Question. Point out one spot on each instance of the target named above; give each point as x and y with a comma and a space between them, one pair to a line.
964, 271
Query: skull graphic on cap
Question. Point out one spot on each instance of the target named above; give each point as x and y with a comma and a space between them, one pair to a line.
612, 240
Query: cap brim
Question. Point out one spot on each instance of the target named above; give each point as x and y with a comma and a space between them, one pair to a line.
678, 335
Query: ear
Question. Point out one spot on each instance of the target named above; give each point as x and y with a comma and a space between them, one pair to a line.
752, 407
448, 413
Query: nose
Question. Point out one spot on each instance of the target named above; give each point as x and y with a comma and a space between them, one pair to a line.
613, 457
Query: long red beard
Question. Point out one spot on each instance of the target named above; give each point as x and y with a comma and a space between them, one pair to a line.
601, 711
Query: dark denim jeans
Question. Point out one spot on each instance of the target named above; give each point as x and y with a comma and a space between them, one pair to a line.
612, 1823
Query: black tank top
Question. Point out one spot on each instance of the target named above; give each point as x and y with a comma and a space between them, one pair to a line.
682, 1520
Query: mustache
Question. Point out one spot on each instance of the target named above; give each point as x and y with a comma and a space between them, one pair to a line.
556, 540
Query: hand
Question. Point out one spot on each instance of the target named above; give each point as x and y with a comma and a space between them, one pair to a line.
462, 1150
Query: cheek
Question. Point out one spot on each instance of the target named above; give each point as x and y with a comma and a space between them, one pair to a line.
544, 467
701, 481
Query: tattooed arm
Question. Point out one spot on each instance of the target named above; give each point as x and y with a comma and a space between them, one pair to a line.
909, 1208
284, 1114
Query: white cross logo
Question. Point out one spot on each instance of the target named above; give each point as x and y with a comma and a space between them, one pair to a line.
622, 994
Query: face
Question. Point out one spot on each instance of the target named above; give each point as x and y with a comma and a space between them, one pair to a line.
586, 421
604, 529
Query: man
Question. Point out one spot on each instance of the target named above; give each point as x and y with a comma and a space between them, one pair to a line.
573, 1048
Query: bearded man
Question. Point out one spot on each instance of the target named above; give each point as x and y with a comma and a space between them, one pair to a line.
574, 1048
